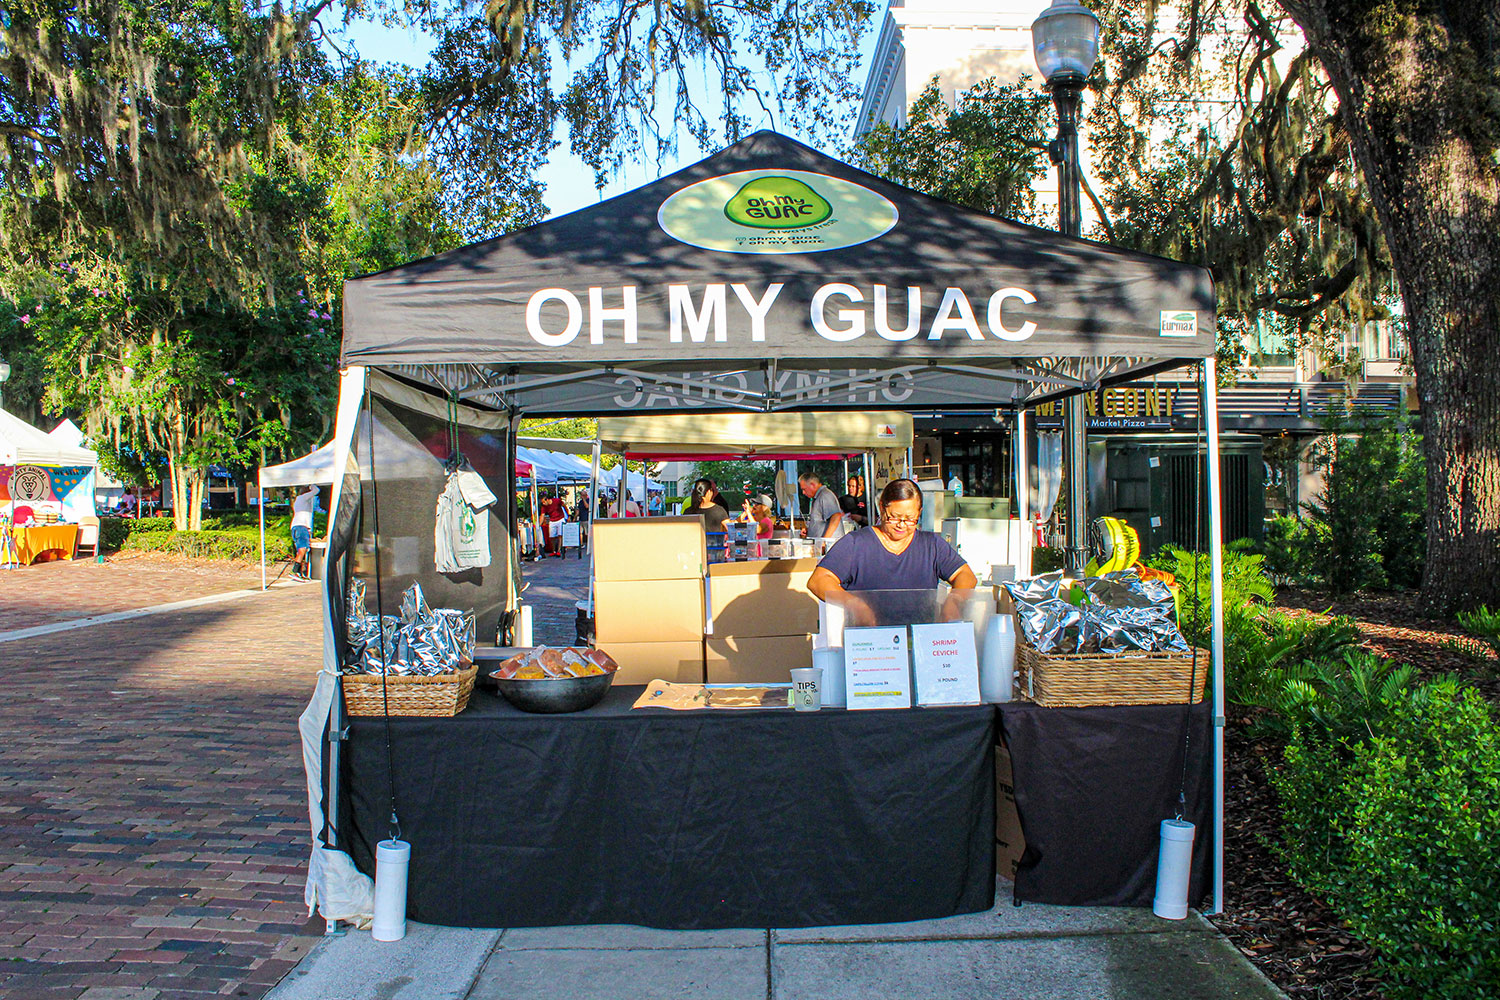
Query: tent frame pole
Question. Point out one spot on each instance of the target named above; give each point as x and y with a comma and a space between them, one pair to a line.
1216, 577
1020, 451
260, 505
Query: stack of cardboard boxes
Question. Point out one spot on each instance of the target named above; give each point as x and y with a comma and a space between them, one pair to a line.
763, 618
648, 597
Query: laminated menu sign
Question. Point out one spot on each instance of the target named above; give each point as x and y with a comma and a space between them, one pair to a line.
946, 668
877, 668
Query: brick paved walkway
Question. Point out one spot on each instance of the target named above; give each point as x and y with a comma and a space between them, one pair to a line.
153, 821
554, 588
60, 591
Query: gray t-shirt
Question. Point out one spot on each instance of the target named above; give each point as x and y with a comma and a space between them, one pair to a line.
824, 506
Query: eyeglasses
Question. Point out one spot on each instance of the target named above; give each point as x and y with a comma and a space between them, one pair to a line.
905, 522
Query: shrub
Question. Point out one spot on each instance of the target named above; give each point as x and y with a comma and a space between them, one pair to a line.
1290, 547
1347, 697
1246, 588
1397, 831
1483, 625
1368, 523
1261, 655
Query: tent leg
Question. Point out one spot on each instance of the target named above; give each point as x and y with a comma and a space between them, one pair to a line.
261, 506
1023, 495
1216, 576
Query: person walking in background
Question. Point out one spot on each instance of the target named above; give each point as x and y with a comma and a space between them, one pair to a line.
303, 508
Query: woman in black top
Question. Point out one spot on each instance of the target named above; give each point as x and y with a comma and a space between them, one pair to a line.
705, 501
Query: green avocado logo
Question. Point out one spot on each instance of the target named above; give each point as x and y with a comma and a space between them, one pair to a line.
777, 203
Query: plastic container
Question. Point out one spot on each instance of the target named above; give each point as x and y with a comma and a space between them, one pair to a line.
997, 663
392, 860
831, 660
1174, 867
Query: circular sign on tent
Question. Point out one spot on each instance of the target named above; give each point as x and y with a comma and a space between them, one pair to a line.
28, 482
776, 212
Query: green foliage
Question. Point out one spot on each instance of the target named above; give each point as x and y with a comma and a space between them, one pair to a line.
1258, 188
1288, 546
1367, 525
227, 535
1484, 625
1246, 588
1396, 829
1267, 651
1048, 560
983, 152
1342, 698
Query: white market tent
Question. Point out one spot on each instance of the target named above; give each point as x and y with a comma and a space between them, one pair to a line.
652, 301
71, 434
23, 444
313, 469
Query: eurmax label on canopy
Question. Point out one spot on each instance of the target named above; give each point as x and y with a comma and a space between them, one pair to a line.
775, 212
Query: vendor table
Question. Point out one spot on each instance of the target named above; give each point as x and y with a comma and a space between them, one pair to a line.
1092, 786
726, 818
35, 542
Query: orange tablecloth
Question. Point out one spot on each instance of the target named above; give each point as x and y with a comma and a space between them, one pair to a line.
32, 544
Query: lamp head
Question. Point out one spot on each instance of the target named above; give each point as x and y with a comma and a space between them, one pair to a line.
4, 370
1065, 39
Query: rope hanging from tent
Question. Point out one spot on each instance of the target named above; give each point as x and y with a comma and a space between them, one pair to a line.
390, 757
1201, 458
455, 456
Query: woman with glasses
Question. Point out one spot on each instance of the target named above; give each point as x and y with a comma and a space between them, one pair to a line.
891, 555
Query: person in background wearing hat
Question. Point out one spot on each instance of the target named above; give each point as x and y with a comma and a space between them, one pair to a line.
759, 511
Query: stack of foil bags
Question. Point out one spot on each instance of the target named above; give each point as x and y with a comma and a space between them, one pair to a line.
422, 642
1119, 613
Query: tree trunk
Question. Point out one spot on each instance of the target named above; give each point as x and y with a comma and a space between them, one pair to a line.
1415, 81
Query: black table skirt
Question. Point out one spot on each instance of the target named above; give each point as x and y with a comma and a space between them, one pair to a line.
1092, 786
681, 819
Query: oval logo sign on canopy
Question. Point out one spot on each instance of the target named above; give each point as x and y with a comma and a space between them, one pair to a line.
776, 211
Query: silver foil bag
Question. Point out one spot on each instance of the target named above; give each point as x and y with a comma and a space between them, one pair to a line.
1119, 612
422, 642
1051, 625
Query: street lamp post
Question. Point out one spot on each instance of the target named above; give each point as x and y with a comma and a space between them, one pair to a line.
4, 378
1065, 39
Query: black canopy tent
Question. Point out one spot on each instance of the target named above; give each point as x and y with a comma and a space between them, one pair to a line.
766, 277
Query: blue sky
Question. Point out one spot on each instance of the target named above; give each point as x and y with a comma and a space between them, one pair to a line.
570, 184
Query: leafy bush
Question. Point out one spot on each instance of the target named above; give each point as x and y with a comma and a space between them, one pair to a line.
238, 543
1368, 523
1397, 831
1261, 656
1247, 589
221, 538
1483, 625
1290, 548
1347, 697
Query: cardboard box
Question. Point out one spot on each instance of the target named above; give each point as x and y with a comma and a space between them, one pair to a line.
1010, 844
644, 662
649, 548
756, 659
648, 610
762, 598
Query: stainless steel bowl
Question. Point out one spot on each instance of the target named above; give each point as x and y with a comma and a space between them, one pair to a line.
555, 694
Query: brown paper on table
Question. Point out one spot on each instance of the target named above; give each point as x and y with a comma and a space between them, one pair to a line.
688, 697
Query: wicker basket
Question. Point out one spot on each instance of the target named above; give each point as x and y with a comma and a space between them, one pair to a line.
1079, 680
440, 695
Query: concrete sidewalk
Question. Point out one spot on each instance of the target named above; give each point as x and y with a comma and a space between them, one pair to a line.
1051, 952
